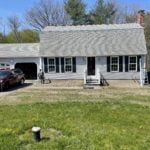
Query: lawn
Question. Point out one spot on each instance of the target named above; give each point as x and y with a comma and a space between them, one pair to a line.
107, 119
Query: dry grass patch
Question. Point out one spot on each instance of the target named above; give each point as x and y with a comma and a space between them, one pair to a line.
34, 95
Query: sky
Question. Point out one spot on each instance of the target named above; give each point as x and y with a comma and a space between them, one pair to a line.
18, 7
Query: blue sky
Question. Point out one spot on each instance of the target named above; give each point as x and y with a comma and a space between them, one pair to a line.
9, 7
18, 7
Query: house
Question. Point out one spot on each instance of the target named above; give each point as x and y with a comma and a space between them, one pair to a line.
92, 53
109, 52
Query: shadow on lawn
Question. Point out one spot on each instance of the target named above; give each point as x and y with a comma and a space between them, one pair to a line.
45, 138
17, 87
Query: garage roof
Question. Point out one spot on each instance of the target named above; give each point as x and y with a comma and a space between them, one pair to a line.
19, 50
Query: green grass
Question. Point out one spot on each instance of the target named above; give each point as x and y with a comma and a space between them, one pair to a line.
115, 119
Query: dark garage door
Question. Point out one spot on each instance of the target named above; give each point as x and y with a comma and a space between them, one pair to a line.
29, 69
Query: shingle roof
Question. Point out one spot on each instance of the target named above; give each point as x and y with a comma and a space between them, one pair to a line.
19, 50
93, 27
96, 40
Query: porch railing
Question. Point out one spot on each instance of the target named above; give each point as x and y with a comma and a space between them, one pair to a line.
143, 75
98, 76
85, 76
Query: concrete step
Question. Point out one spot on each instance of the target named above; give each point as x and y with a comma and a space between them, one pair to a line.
87, 86
92, 82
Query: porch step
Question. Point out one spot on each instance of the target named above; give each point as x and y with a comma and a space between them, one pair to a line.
92, 82
88, 87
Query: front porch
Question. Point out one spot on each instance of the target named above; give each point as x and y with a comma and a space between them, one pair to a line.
94, 75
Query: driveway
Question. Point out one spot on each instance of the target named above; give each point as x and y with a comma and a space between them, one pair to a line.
15, 89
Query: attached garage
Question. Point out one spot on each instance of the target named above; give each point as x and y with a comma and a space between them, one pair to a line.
29, 69
22, 56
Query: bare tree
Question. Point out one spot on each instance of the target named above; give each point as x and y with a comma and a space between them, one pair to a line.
47, 13
14, 25
126, 14
2, 26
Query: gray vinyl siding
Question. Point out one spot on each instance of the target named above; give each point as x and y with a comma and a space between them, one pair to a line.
101, 63
79, 75
13, 61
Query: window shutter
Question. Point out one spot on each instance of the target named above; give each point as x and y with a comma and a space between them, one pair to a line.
138, 63
126, 63
45, 65
108, 64
120, 63
57, 65
74, 64
62, 65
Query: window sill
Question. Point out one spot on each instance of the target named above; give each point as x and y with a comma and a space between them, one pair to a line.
114, 71
51, 72
69, 72
132, 71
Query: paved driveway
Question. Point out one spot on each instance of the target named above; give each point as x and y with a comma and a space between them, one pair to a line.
15, 89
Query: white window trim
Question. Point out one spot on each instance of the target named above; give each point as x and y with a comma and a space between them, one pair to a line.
5, 65
132, 63
66, 65
49, 65
111, 63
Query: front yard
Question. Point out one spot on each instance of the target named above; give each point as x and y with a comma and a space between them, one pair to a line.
105, 119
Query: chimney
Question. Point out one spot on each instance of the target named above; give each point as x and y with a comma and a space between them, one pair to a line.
140, 17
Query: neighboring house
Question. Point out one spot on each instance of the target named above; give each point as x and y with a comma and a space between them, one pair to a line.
91, 53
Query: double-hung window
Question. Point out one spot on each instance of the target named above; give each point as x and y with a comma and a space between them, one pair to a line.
132, 63
68, 64
114, 63
51, 65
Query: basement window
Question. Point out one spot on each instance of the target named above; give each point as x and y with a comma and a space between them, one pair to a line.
115, 64
132, 63
51, 65
68, 64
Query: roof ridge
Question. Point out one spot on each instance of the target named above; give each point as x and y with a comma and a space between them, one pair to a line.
93, 27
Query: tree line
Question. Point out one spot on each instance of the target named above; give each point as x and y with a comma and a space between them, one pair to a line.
72, 12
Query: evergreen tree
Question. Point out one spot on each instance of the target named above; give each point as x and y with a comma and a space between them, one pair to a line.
76, 10
103, 12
